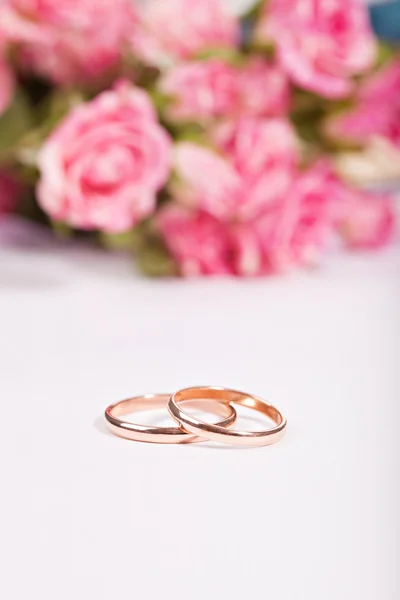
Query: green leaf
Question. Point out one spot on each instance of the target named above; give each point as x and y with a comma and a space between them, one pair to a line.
15, 122
154, 261
127, 240
386, 53
54, 108
254, 13
229, 55
62, 230
160, 101
192, 132
152, 257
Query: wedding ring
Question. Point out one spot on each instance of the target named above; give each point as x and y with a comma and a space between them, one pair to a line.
160, 435
217, 433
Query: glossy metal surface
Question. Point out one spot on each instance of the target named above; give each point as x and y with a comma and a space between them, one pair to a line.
160, 435
219, 434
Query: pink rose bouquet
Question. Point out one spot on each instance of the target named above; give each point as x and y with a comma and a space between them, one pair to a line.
203, 143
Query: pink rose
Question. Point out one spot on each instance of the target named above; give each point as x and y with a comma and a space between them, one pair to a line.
202, 245
290, 234
264, 154
207, 181
294, 233
376, 113
7, 85
254, 171
306, 224
366, 221
179, 29
382, 85
264, 89
68, 41
197, 241
321, 45
102, 167
200, 89
10, 191
364, 122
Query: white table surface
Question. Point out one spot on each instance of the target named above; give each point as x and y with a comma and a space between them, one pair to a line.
86, 515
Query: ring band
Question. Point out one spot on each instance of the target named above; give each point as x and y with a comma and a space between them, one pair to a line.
219, 434
160, 435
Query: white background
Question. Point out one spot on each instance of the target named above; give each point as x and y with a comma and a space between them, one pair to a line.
88, 515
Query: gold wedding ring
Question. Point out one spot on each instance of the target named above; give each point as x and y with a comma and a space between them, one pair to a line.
217, 400
159, 435
228, 397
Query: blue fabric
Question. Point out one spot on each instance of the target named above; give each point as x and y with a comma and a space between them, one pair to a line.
386, 20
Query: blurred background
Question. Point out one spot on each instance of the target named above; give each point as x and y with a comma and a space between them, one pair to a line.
330, 94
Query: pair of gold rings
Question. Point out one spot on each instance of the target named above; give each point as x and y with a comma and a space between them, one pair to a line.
216, 400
